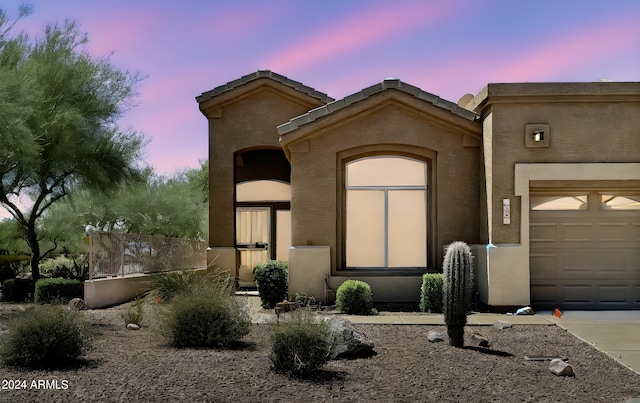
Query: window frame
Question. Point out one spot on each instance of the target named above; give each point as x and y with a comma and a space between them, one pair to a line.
426, 156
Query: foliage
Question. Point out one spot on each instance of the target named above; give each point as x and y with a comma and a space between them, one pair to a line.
207, 315
46, 336
58, 290
11, 265
431, 292
17, 290
66, 267
134, 313
457, 290
354, 297
167, 285
272, 282
58, 117
301, 344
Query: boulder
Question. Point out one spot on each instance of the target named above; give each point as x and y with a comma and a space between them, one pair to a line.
480, 339
502, 324
133, 326
434, 336
349, 342
561, 368
77, 303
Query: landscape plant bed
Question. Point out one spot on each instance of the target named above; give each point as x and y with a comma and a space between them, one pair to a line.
139, 366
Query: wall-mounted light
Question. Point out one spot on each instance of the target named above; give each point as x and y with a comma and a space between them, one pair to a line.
537, 135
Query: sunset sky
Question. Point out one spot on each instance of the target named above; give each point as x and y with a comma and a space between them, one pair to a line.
448, 48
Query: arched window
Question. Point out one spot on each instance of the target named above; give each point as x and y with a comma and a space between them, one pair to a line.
386, 212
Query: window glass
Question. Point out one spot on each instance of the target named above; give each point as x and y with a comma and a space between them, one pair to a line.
620, 202
407, 235
386, 171
264, 190
365, 228
559, 202
386, 213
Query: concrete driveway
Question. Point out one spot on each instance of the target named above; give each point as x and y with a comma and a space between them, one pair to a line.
617, 333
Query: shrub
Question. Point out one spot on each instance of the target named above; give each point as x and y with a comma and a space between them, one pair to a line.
457, 290
61, 290
66, 267
167, 285
431, 292
354, 297
272, 282
46, 337
17, 290
207, 315
300, 345
134, 313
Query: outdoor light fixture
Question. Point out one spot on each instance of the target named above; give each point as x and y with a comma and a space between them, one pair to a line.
537, 135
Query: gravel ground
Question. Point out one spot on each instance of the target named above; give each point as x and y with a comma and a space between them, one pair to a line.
138, 366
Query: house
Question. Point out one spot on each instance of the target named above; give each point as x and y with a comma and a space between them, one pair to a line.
542, 179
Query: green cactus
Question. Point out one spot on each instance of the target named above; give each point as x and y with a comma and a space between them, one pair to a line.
457, 290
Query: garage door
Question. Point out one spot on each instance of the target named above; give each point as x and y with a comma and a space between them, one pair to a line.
585, 249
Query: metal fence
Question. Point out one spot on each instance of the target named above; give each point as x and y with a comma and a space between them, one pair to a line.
120, 254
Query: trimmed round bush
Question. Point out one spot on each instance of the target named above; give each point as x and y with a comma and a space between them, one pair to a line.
46, 337
431, 292
272, 282
354, 297
207, 315
17, 290
63, 290
301, 345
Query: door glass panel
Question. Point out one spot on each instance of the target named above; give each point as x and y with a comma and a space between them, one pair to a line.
407, 241
365, 228
252, 239
620, 202
283, 234
559, 202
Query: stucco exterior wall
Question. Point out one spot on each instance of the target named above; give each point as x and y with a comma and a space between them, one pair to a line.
392, 124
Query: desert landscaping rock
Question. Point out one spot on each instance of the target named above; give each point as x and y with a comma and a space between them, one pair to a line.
561, 368
502, 324
349, 342
480, 340
434, 336
133, 326
77, 303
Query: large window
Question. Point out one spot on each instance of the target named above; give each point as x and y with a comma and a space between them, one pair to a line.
386, 213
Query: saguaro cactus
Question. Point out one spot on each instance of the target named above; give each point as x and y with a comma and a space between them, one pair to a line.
457, 290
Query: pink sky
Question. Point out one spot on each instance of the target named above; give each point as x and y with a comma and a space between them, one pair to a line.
338, 47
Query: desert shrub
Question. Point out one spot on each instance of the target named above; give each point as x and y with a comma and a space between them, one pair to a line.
66, 267
431, 292
60, 290
301, 344
46, 336
272, 282
354, 297
17, 290
166, 285
134, 313
207, 315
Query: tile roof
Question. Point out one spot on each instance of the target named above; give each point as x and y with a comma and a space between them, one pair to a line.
390, 83
263, 74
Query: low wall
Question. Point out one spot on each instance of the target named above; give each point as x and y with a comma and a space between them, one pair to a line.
105, 292
109, 291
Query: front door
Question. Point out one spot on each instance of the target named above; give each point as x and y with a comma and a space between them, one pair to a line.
253, 235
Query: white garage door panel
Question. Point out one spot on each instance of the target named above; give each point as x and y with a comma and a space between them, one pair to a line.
585, 259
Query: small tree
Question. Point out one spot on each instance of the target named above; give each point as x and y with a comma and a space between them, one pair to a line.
58, 111
457, 290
